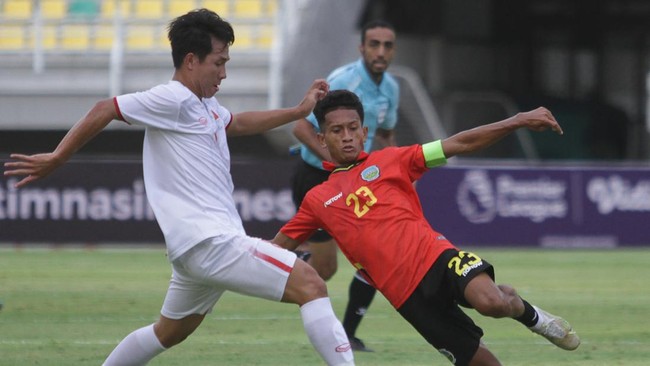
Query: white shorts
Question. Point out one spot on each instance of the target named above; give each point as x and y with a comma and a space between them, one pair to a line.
237, 263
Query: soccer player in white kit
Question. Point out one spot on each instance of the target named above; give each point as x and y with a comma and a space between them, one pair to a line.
186, 165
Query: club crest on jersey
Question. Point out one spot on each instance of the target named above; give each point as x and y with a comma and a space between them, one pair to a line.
370, 173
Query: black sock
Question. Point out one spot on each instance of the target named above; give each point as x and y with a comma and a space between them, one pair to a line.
529, 317
360, 297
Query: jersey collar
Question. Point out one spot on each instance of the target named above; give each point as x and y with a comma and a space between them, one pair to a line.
334, 168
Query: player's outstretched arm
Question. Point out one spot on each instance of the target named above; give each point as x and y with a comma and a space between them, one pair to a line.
306, 134
285, 241
34, 167
248, 123
478, 138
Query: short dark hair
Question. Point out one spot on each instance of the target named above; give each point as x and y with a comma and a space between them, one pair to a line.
337, 99
378, 23
193, 32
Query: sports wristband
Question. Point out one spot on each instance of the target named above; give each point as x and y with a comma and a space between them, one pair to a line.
433, 154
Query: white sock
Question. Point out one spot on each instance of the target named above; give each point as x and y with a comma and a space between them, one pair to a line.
541, 318
326, 332
136, 349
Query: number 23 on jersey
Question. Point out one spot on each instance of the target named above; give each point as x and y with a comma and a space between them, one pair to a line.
361, 201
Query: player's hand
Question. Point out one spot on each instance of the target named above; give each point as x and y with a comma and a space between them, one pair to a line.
540, 119
33, 167
316, 92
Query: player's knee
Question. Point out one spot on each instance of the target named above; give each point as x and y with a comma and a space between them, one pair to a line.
315, 288
326, 270
304, 285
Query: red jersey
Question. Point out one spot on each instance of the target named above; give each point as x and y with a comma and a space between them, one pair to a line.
373, 212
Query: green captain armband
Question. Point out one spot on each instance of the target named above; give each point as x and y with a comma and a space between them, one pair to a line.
433, 154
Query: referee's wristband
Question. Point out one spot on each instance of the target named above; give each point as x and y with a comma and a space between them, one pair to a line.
433, 154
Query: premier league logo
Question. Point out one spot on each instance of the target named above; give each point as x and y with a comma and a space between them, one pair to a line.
476, 197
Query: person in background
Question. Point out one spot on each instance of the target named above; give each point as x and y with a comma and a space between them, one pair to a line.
379, 93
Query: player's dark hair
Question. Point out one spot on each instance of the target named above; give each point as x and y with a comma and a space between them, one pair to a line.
192, 32
337, 99
378, 23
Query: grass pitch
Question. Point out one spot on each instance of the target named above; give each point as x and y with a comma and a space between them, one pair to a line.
72, 306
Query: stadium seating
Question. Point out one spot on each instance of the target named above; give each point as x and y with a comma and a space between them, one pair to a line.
86, 25
103, 35
143, 37
17, 9
49, 37
110, 8
12, 37
177, 7
75, 36
248, 8
149, 9
53, 9
83, 9
221, 7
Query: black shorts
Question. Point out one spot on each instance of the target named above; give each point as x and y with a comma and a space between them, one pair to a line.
305, 178
433, 308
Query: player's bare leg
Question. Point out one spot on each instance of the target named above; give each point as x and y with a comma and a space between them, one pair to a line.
500, 301
324, 258
483, 357
491, 300
171, 332
304, 285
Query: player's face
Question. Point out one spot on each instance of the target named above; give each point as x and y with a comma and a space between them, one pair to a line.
343, 135
212, 70
378, 50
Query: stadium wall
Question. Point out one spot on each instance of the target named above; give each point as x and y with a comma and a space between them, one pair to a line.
103, 201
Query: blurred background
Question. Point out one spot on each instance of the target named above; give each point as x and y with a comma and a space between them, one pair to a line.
460, 63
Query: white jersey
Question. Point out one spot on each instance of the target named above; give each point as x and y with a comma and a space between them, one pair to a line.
186, 163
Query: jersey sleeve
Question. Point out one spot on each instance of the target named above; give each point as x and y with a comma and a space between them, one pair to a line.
303, 224
311, 118
222, 112
412, 159
390, 121
157, 107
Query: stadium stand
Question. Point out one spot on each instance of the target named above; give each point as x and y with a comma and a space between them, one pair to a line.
248, 8
12, 37
149, 9
222, 7
17, 9
63, 55
75, 36
109, 8
83, 8
53, 9
82, 26
181, 6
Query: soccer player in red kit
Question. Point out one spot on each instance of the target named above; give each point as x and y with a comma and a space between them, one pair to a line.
371, 208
